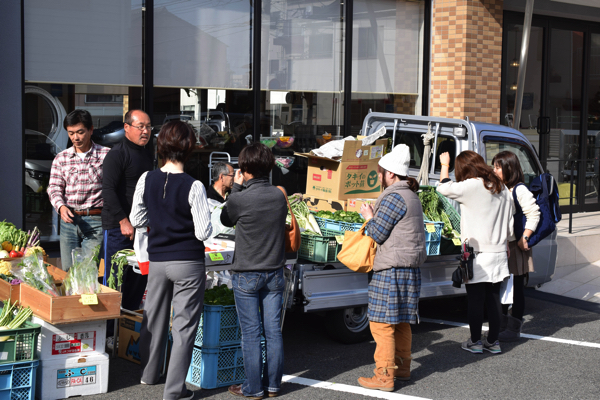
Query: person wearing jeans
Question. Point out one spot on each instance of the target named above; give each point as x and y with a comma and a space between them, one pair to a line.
75, 187
258, 210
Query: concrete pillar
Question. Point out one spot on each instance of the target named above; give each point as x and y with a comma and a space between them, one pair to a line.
12, 180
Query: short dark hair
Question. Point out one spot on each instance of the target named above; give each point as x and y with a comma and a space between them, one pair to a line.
79, 117
176, 141
220, 168
511, 168
257, 160
128, 119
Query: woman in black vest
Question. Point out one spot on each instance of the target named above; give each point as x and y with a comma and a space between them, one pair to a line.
173, 206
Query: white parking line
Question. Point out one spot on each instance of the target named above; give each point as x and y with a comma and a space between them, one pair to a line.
525, 335
348, 388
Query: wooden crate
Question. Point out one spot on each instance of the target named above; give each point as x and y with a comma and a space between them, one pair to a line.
68, 309
13, 292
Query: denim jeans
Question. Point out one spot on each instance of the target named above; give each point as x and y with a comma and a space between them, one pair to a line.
258, 297
84, 231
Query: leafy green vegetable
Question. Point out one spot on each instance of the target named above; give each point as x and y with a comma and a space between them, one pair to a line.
120, 260
219, 296
305, 219
33, 272
342, 216
434, 211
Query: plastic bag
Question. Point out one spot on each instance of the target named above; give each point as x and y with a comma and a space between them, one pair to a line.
215, 220
32, 271
83, 275
140, 246
506, 290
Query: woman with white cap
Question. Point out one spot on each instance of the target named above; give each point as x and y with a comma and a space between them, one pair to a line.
396, 225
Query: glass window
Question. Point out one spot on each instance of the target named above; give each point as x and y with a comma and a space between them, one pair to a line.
46, 106
202, 43
528, 162
92, 42
387, 58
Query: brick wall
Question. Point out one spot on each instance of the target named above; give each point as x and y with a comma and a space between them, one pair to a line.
466, 59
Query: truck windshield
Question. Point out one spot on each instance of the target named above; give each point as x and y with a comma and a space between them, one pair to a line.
414, 141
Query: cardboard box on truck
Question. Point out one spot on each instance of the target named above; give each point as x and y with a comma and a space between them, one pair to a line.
354, 204
318, 204
353, 175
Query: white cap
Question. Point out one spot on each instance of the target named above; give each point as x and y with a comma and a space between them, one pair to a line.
397, 160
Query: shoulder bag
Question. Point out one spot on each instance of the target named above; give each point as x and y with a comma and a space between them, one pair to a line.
358, 250
292, 231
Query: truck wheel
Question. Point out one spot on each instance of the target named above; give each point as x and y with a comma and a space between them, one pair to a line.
348, 325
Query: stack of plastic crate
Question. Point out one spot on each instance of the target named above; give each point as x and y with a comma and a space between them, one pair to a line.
217, 358
18, 364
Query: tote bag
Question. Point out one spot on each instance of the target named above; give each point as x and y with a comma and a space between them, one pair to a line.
292, 231
358, 251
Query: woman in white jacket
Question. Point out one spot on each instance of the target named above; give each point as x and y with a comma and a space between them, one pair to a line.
508, 168
487, 223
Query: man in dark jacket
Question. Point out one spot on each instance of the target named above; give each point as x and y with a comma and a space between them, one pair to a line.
123, 166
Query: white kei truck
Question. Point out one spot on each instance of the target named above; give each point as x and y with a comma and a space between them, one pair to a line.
341, 294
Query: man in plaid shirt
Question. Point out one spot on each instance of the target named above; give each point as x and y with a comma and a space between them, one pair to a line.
75, 188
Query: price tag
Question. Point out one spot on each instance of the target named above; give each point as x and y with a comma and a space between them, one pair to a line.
216, 256
339, 239
430, 228
456, 241
89, 299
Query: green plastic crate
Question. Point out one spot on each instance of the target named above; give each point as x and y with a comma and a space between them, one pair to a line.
319, 248
21, 343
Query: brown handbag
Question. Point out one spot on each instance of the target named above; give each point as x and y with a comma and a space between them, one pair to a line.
292, 233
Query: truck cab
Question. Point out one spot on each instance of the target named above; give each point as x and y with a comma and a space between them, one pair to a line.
343, 294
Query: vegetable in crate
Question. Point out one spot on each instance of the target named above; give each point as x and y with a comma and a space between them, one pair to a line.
83, 274
434, 211
219, 296
8, 321
343, 216
32, 271
303, 215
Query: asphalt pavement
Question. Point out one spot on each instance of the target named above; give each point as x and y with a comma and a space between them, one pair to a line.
559, 359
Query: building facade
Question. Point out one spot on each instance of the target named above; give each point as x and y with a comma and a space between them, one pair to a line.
299, 69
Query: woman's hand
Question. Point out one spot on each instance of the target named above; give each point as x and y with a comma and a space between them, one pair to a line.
445, 170
238, 178
367, 211
445, 158
522, 243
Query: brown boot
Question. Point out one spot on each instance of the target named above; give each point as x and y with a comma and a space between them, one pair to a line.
383, 379
402, 373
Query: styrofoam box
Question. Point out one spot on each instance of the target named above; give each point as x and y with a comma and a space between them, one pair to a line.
69, 340
74, 376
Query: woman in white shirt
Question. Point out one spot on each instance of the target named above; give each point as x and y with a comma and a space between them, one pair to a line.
487, 223
508, 168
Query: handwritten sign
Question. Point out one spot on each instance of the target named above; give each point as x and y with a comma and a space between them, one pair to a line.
89, 299
216, 256
430, 228
456, 241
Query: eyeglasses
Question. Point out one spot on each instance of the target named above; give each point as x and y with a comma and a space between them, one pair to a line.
142, 128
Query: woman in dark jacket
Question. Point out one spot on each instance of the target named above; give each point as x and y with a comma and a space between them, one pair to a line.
396, 224
258, 209
173, 205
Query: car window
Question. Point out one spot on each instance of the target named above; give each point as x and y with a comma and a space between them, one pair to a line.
414, 141
528, 162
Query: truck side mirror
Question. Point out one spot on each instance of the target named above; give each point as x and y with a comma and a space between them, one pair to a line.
543, 125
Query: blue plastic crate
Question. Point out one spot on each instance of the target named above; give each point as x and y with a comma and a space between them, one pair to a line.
219, 326
17, 380
319, 248
433, 239
217, 367
330, 227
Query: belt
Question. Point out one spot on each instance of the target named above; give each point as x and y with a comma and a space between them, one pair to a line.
89, 211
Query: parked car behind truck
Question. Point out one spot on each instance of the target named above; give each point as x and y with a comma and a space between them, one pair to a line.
343, 294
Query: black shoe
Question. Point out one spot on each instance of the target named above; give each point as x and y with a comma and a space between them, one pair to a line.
189, 395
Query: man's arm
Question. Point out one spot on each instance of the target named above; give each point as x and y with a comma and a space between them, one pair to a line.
56, 191
112, 175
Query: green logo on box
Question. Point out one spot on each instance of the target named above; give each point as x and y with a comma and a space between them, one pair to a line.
372, 179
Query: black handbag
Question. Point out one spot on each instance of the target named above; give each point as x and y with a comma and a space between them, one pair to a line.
464, 271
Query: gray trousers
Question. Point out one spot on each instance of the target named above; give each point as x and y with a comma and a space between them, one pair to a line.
184, 282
